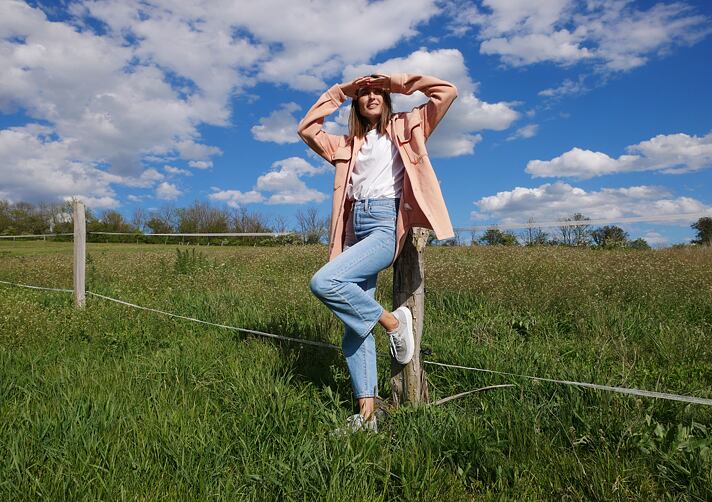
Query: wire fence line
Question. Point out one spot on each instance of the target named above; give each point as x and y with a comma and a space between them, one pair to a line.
13, 237
210, 234
609, 388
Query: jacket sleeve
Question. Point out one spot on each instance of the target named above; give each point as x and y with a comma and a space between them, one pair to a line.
310, 128
440, 92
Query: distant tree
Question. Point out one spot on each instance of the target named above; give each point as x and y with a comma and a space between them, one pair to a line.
5, 219
113, 221
158, 226
201, 217
495, 237
704, 231
609, 236
578, 234
534, 236
312, 226
280, 223
639, 243
168, 217
138, 219
27, 219
243, 220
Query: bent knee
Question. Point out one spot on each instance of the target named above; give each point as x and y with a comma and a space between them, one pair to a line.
320, 285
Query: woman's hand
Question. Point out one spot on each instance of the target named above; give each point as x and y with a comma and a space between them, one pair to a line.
379, 81
351, 89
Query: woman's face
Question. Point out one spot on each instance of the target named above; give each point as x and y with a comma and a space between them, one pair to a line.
370, 103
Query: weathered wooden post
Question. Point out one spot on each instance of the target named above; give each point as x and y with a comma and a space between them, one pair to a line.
80, 252
408, 383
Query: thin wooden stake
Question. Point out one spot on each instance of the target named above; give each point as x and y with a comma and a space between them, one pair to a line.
80, 235
408, 383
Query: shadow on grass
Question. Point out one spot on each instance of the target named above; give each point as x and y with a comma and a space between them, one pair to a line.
320, 366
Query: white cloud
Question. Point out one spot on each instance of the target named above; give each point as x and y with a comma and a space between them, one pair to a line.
196, 152
194, 39
283, 184
280, 126
201, 164
670, 154
456, 134
328, 35
38, 166
567, 88
125, 82
147, 179
614, 34
167, 191
552, 201
655, 239
236, 198
525, 132
176, 171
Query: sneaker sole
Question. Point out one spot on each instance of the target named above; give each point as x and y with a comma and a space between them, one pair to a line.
409, 324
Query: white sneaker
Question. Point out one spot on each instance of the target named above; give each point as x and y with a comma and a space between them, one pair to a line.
401, 340
356, 423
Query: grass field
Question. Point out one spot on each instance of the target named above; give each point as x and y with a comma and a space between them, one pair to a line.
115, 403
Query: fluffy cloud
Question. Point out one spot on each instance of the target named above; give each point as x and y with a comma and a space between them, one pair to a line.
615, 34
196, 40
456, 134
671, 154
167, 191
656, 239
552, 201
201, 164
283, 184
236, 198
176, 171
35, 164
525, 132
126, 83
280, 126
567, 88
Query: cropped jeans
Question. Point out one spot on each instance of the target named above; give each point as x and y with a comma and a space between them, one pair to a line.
347, 285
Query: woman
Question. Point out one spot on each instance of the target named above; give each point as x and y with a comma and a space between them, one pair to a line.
383, 185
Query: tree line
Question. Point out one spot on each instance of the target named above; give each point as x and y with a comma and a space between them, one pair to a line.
579, 235
21, 218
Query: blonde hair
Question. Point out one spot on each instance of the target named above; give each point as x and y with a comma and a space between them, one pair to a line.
359, 125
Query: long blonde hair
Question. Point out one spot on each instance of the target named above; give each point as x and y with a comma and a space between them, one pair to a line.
359, 125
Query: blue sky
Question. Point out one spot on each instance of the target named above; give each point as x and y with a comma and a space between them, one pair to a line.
600, 107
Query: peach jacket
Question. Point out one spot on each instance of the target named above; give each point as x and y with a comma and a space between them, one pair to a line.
421, 202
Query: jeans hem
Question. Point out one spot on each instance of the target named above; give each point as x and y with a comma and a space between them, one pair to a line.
373, 324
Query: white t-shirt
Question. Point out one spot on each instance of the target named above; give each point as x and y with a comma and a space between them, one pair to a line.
378, 170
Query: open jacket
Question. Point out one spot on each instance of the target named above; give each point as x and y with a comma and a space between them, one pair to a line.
421, 201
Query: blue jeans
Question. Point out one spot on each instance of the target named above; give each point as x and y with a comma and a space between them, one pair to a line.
347, 285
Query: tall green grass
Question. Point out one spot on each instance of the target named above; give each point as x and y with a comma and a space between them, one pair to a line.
114, 403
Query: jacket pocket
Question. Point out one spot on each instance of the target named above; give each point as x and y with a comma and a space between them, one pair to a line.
409, 123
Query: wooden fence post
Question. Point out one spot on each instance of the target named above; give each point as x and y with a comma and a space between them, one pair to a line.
408, 383
80, 253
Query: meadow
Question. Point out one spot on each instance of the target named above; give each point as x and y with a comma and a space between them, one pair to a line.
114, 403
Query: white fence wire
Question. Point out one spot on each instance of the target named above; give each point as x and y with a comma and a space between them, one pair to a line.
609, 388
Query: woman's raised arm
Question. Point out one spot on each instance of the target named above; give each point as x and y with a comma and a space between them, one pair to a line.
440, 92
310, 129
